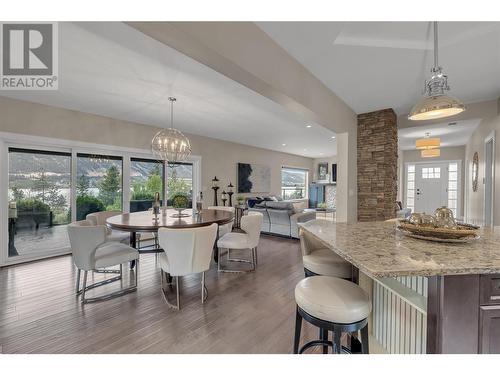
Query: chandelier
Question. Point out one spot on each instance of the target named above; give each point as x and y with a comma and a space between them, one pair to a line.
436, 104
170, 144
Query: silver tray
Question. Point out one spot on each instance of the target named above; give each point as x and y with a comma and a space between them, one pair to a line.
435, 239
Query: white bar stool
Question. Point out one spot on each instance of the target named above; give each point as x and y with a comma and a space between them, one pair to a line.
332, 304
320, 260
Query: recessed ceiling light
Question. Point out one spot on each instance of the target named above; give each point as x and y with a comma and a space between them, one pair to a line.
308, 126
333, 137
283, 144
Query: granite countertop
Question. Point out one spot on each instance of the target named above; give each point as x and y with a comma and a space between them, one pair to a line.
380, 250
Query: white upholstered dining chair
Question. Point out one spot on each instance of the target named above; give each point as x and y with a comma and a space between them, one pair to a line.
99, 218
187, 251
225, 228
251, 225
92, 252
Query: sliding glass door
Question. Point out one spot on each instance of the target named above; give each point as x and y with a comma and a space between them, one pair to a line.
48, 186
146, 179
98, 184
39, 193
180, 181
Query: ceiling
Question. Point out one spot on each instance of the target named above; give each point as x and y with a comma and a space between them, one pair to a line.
375, 65
113, 70
452, 133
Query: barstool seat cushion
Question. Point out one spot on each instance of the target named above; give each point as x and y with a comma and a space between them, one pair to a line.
325, 262
234, 240
113, 253
332, 299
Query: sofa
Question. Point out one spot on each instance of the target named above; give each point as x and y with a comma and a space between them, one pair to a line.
281, 217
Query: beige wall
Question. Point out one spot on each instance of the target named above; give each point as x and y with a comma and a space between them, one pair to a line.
474, 200
447, 153
314, 173
219, 158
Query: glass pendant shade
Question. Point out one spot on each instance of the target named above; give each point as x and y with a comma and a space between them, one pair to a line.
171, 145
427, 143
431, 153
435, 107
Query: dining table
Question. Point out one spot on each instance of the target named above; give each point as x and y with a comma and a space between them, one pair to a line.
147, 222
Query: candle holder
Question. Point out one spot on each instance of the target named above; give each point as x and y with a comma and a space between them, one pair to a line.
215, 187
224, 197
230, 193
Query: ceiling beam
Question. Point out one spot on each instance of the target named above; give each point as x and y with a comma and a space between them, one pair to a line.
246, 54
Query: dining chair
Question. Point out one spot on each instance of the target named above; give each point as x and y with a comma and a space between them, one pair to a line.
91, 252
251, 225
99, 218
225, 228
187, 251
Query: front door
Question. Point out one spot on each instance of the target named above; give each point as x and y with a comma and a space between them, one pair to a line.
431, 183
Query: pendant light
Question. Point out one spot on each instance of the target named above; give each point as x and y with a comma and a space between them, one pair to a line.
436, 104
427, 143
431, 153
170, 144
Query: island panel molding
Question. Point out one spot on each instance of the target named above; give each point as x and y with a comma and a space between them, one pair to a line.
377, 165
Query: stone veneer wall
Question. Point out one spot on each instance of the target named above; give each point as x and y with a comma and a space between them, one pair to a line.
377, 165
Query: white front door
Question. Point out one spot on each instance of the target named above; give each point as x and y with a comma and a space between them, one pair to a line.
431, 187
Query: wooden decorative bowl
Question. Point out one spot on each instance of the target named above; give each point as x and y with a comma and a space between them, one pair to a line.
463, 232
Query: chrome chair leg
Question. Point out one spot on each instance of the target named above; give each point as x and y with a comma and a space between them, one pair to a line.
84, 289
252, 262
177, 305
105, 297
204, 290
78, 272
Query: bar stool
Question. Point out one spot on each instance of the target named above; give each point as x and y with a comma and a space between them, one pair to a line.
320, 260
331, 304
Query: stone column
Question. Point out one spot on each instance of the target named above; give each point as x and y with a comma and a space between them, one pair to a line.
377, 165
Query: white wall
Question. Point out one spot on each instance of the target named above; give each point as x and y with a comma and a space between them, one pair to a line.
474, 200
330, 160
219, 158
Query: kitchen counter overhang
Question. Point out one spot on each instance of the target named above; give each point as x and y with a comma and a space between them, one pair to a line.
380, 250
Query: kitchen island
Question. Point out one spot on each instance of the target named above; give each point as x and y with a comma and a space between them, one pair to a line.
428, 297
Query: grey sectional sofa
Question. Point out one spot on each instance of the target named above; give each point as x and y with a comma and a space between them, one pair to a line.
281, 218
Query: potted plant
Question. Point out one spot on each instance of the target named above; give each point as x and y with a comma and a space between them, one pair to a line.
241, 200
180, 202
321, 206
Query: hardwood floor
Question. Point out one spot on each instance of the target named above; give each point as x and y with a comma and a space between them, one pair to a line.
244, 313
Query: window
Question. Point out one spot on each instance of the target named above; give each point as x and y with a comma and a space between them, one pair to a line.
39, 201
410, 187
146, 178
431, 172
453, 187
98, 184
180, 181
293, 183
